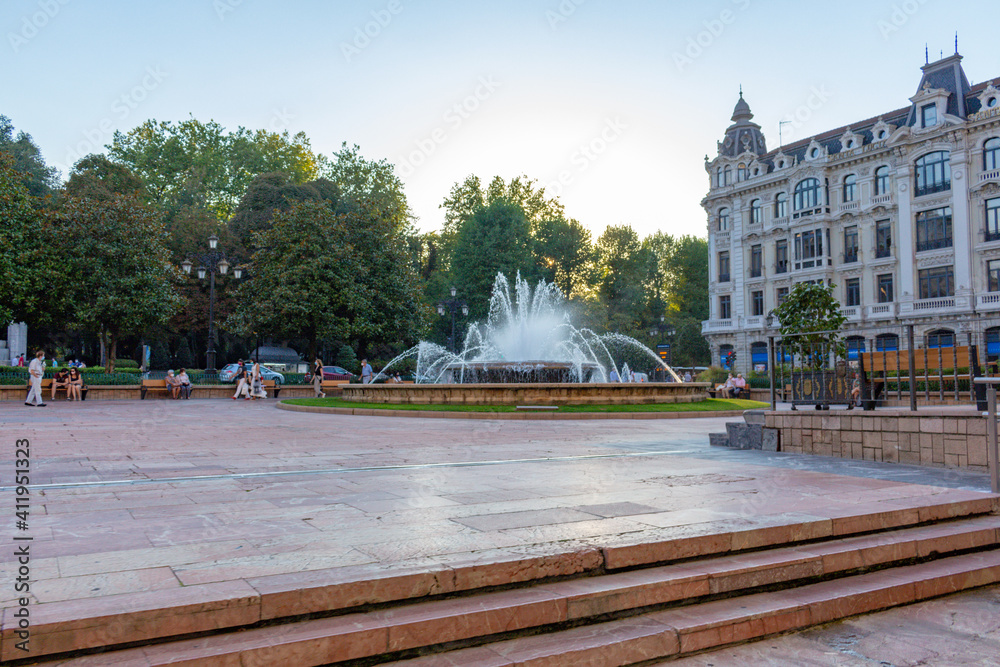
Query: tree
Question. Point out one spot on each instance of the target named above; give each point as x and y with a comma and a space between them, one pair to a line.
191, 162
269, 193
97, 177
28, 267
564, 254
497, 239
622, 263
115, 252
303, 279
26, 160
810, 320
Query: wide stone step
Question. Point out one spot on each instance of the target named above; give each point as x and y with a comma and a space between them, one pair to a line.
554, 603
666, 634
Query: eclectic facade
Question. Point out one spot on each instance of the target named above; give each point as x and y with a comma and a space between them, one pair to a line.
900, 213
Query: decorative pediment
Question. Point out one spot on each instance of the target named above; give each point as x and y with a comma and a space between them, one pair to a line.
989, 98
850, 140
782, 161
815, 151
882, 130
852, 272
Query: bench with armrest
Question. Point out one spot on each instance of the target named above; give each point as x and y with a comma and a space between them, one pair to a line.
156, 385
271, 387
944, 365
47, 389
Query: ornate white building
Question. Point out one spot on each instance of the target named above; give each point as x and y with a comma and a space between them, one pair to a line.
901, 213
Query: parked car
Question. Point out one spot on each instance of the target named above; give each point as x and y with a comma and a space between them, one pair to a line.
332, 373
228, 374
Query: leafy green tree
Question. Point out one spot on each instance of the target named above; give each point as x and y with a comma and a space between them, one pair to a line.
496, 239
564, 254
115, 252
97, 177
269, 193
622, 263
28, 266
26, 160
192, 162
303, 279
810, 320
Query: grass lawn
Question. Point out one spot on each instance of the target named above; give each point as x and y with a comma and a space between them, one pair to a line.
709, 405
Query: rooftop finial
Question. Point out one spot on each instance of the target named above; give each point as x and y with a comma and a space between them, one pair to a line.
927, 55
956, 42
741, 91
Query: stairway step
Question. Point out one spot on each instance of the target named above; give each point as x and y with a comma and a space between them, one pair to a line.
715, 624
427, 623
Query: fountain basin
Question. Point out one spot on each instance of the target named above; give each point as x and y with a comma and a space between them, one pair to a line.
525, 372
534, 393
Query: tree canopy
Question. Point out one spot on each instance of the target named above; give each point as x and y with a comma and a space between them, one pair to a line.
26, 160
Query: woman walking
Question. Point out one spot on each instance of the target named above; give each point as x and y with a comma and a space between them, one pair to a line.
257, 383
318, 378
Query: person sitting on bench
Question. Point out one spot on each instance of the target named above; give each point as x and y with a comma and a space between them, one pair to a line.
61, 381
739, 386
75, 386
183, 384
855, 392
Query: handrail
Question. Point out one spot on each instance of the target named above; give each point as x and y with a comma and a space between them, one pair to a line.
993, 451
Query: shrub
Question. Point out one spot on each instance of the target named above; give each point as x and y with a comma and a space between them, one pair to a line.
126, 363
713, 374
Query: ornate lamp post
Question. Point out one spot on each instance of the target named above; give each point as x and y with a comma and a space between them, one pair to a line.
215, 260
453, 305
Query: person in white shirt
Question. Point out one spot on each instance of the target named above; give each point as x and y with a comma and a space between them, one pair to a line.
36, 369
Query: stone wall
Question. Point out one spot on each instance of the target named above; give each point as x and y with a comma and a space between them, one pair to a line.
952, 438
605, 393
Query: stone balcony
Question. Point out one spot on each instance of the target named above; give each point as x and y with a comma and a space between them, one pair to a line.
718, 326
880, 311
988, 302
852, 313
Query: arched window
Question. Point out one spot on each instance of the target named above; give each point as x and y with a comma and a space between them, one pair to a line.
781, 205
886, 342
993, 344
855, 346
723, 219
991, 154
882, 180
727, 176
807, 194
850, 187
727, 357
756, 212
933, 173
941, 338
718, 177
741, 172
758, 356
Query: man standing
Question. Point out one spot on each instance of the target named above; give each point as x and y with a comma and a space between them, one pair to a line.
36, 369
366, 372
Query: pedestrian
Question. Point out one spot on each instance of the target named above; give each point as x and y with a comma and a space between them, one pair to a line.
242, 387
36, 369
613, 376
257, 383
318, 378
687, 376
366, 372
20, 361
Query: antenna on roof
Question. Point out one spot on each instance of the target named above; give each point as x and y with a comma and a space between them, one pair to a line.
780, 123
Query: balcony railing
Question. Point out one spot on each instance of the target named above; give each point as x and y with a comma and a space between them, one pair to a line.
850, 257
852, 313
709, 326
881, 311
883, 251
991, 236
882, 199
990, 301
933, 244
723, 277
781, 267
991, 175
931, 188
850, 206
934, 304
756, 273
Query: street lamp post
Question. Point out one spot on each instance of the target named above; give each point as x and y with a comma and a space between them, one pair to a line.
216, 259
453, 305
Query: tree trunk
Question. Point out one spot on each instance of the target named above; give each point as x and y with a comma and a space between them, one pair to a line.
111, 348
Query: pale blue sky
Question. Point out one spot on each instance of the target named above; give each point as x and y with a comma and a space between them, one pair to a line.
534, 81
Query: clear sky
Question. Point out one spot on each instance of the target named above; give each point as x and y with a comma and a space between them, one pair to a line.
610, 105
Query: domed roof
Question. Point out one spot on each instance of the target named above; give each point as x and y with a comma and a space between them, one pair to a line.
742, 110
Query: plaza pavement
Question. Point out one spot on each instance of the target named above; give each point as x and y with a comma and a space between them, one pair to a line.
133, 496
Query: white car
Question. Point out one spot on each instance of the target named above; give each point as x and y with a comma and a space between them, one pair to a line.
228, 374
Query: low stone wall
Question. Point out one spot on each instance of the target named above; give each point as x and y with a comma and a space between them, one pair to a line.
627, 393
954, 439
131, 391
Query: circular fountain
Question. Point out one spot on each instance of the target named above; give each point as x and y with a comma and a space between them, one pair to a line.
528, 352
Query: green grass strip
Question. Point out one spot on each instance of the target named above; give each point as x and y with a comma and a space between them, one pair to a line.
709, 405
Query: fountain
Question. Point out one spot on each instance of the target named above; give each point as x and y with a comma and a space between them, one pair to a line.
528, 350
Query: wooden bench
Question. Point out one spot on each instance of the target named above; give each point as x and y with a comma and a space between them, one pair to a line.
327, 386
155, 385
941, 364
47, 389
272, 388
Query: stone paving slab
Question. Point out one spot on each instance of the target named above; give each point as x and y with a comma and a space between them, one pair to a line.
217, 493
